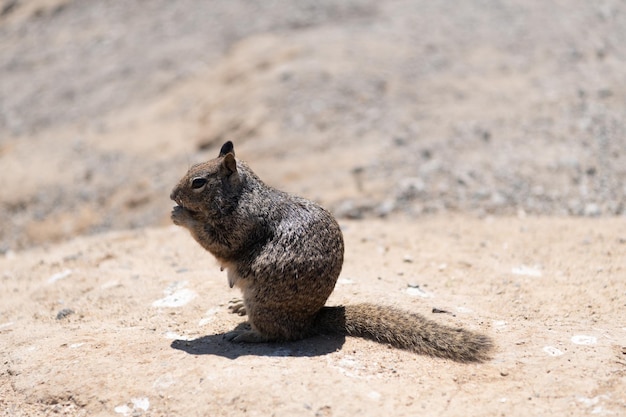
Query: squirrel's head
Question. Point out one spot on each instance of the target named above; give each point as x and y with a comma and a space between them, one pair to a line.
210, 187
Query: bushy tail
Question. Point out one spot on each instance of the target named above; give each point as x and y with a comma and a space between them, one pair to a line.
404, 330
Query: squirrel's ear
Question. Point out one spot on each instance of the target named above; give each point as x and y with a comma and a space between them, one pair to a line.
230, 163
227, 148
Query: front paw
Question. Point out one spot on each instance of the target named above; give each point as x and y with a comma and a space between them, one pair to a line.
181, 216
237, 306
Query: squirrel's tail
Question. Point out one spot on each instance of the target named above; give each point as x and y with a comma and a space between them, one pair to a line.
404, 330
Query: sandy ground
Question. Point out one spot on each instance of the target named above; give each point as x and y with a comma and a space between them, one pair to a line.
131, 323
473, 152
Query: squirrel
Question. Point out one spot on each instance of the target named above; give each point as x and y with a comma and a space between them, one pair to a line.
285, 254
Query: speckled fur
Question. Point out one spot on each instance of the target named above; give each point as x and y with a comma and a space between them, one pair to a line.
285, 254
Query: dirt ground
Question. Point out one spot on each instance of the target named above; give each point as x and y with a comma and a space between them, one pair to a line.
473, 152
131, 323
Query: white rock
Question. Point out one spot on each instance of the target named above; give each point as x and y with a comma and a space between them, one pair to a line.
584, 340
59, 275
142, 403
552, 351
527, 271
177, 299
417, 291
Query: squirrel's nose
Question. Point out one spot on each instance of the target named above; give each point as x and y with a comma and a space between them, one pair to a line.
173, 194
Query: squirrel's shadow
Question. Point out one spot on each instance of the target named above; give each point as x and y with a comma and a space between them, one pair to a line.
217, 345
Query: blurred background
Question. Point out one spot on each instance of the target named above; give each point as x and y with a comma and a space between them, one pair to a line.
372, 108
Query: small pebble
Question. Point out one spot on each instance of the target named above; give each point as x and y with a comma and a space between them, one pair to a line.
64, 313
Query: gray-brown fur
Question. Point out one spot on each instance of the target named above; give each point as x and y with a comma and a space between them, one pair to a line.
405, 330
285, 254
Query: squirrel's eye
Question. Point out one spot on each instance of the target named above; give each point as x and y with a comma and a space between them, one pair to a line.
198, 183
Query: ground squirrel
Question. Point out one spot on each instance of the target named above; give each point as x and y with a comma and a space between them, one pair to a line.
285, 254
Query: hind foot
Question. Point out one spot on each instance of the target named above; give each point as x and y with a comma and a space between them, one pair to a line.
245, 336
